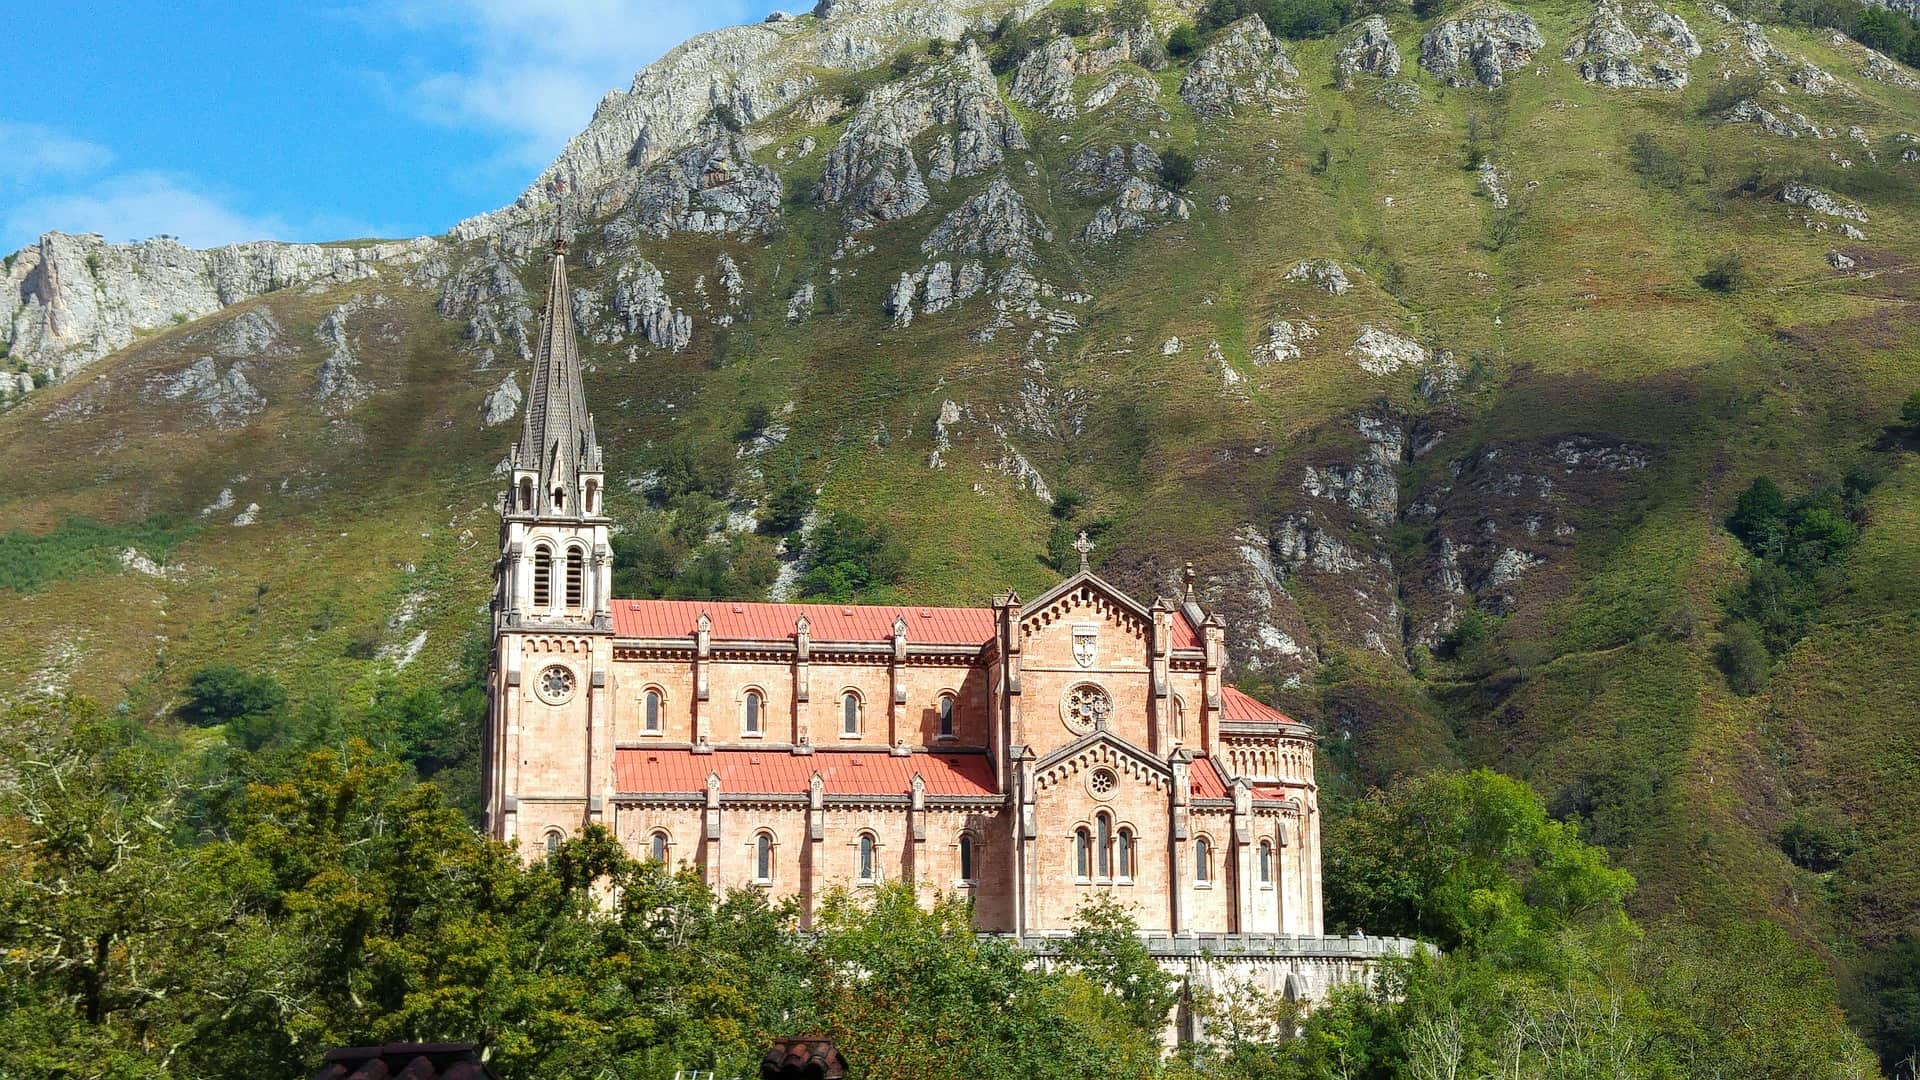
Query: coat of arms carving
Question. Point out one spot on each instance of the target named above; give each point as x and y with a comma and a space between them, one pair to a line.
1086, 645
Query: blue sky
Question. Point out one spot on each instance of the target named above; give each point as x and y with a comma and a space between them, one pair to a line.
223, 122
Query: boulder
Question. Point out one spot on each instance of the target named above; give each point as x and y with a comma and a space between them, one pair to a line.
1367, 48
1481, 46
503, 404
1324, 274
1141, 204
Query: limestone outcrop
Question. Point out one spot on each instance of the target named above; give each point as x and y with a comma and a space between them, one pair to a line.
1480, 47
873, 172
713, 186
68, 300
1366, 48
1141, 204
1243, 68
640, 299
1609, 52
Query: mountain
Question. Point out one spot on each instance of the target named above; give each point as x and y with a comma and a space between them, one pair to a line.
1442, 347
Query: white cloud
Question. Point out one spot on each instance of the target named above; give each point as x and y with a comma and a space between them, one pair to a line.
135, 206
32, 150
534, 69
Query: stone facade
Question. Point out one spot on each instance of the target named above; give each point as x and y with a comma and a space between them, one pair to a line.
1031, 755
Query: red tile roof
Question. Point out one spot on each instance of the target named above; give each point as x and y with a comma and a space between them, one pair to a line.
826, 623
779, 772
744, 621
1207, 781
1241, 708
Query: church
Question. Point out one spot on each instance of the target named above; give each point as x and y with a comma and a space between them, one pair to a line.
1031, 754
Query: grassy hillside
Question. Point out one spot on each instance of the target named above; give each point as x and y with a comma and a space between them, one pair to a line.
1608, 408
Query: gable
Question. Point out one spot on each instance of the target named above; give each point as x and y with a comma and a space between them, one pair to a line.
1091, 751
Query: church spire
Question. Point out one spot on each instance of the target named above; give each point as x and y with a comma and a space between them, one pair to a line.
557, 451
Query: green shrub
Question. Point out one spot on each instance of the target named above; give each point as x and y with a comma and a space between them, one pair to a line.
902, 62
1292, 19
1659, 163
1176, 169
787, 509
1817, 838
1725, 273
1724, 94
1910, 413
1128, 14
1074, 20
1742, 657
221, 693
1184, 41
726, 117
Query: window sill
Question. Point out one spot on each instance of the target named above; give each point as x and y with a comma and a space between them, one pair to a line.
1266, 887
1203, 884
1082, 881
762, 883
849, 734
753, 734
966, 883
652, 734
946, 738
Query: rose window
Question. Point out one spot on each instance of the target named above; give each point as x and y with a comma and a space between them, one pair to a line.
556, 684
1102, 783
1086, 707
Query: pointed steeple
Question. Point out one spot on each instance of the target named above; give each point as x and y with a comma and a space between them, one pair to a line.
557, 445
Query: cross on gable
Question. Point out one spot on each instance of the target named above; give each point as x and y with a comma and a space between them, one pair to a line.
1085, 547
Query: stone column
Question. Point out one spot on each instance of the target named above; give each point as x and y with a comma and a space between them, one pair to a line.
710, 835
1178, 835
897, 691
1243, 870
816, 873
702, 656
917, 875
802, 690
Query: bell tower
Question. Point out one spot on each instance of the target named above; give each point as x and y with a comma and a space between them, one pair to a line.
553, 583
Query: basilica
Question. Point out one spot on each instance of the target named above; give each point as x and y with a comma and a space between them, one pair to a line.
1031, 754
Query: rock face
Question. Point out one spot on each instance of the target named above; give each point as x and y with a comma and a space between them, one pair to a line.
224, 398
1094, 171
995, 222
68, 300
1481, 46
713, 186
1367, 48
1797, 194
1244, 67
1140, 205
1282, 341
640, 298
503, 404
754, 70
1610, 53
1044, 80
339, 385
872, 172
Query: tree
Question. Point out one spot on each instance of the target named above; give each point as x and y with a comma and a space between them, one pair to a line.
249, 704
1758, 513
1106, 950
1882, 29
1725, 273
1910, 408
848, 557
1742, 657
1464, 859
1184, 41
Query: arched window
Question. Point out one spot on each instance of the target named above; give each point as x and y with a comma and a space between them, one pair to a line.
1082, 854
867, 859
966, 857
526, 493
592, 501
650, 706
1179, 719
849, 713
553, 841
751, 719
657, 846
946, 716
1266, 862
542, 577
576, 577
559, 497
1123, 865
1202, 861
1103, 826
763, 858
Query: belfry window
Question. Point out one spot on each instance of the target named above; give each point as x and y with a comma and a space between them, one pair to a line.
651, 707
576, 577
592, 499
526, 494
542, 577
751, 719
867, 859
966, 857
1103, 827
1202, 861
763, 858
1082, 854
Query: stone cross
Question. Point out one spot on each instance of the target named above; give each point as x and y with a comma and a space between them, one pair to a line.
1085, 547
